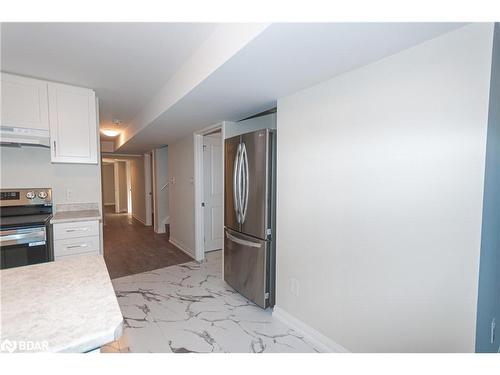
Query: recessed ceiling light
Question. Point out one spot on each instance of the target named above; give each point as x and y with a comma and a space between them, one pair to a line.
110, 132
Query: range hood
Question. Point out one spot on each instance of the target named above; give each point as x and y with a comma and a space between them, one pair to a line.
17, 137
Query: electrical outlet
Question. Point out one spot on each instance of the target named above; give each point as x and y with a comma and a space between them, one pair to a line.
492, 332
69, 194
294, 286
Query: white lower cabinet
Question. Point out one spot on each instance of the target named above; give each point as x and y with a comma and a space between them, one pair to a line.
76, 238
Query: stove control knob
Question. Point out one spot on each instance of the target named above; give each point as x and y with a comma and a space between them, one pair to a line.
30, 195
42, 194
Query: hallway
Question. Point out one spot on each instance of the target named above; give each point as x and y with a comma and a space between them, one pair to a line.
131, 248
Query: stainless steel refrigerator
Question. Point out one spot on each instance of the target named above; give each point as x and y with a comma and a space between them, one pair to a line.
249, 217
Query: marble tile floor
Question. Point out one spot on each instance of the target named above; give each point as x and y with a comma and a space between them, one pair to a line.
188, 308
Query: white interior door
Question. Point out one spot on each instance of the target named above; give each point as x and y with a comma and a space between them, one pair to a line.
129, 187
116, 176
212, 191
148, 189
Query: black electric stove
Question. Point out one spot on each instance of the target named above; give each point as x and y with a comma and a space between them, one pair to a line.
25, 230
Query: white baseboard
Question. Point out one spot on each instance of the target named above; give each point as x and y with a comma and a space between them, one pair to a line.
320, 341
181, 247
138, 219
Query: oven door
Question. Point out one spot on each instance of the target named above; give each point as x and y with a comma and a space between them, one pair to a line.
23, 246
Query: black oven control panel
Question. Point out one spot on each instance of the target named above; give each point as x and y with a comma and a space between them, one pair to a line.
9, 195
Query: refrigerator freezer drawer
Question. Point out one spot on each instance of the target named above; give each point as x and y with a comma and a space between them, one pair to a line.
246, 266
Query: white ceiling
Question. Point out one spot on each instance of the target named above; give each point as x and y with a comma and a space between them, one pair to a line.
125, 63
283, 59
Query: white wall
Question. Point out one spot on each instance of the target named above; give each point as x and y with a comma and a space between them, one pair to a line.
31, 167
108, 184
181, 193
122, 185
380, 187
161, 201
107, 146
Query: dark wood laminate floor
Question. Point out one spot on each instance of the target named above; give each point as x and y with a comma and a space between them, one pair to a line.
130, 247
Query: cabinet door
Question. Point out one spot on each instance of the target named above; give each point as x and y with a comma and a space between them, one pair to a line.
73, 124
24, 102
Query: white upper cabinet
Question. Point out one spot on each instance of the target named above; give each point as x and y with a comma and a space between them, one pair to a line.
73, 124
24, 102
67, 112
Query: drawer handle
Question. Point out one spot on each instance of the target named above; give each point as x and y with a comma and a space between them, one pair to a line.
75, 246
243, 242
77, 229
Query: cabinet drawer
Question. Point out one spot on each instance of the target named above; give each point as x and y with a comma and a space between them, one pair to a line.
75, 246
77, 229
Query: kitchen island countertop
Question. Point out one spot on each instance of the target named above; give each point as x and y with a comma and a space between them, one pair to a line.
63, 306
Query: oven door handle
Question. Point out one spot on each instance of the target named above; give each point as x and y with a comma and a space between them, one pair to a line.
22, 238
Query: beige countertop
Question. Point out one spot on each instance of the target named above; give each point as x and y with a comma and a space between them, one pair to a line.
77, 215
63, 306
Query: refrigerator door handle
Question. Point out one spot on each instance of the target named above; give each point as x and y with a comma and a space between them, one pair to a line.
246, 184
239, 183
243, 242
236, 200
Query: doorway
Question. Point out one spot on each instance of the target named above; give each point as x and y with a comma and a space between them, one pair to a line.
116, 185
209, 190
121, 178
130, 245
149, 183
161, 184
212, 191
